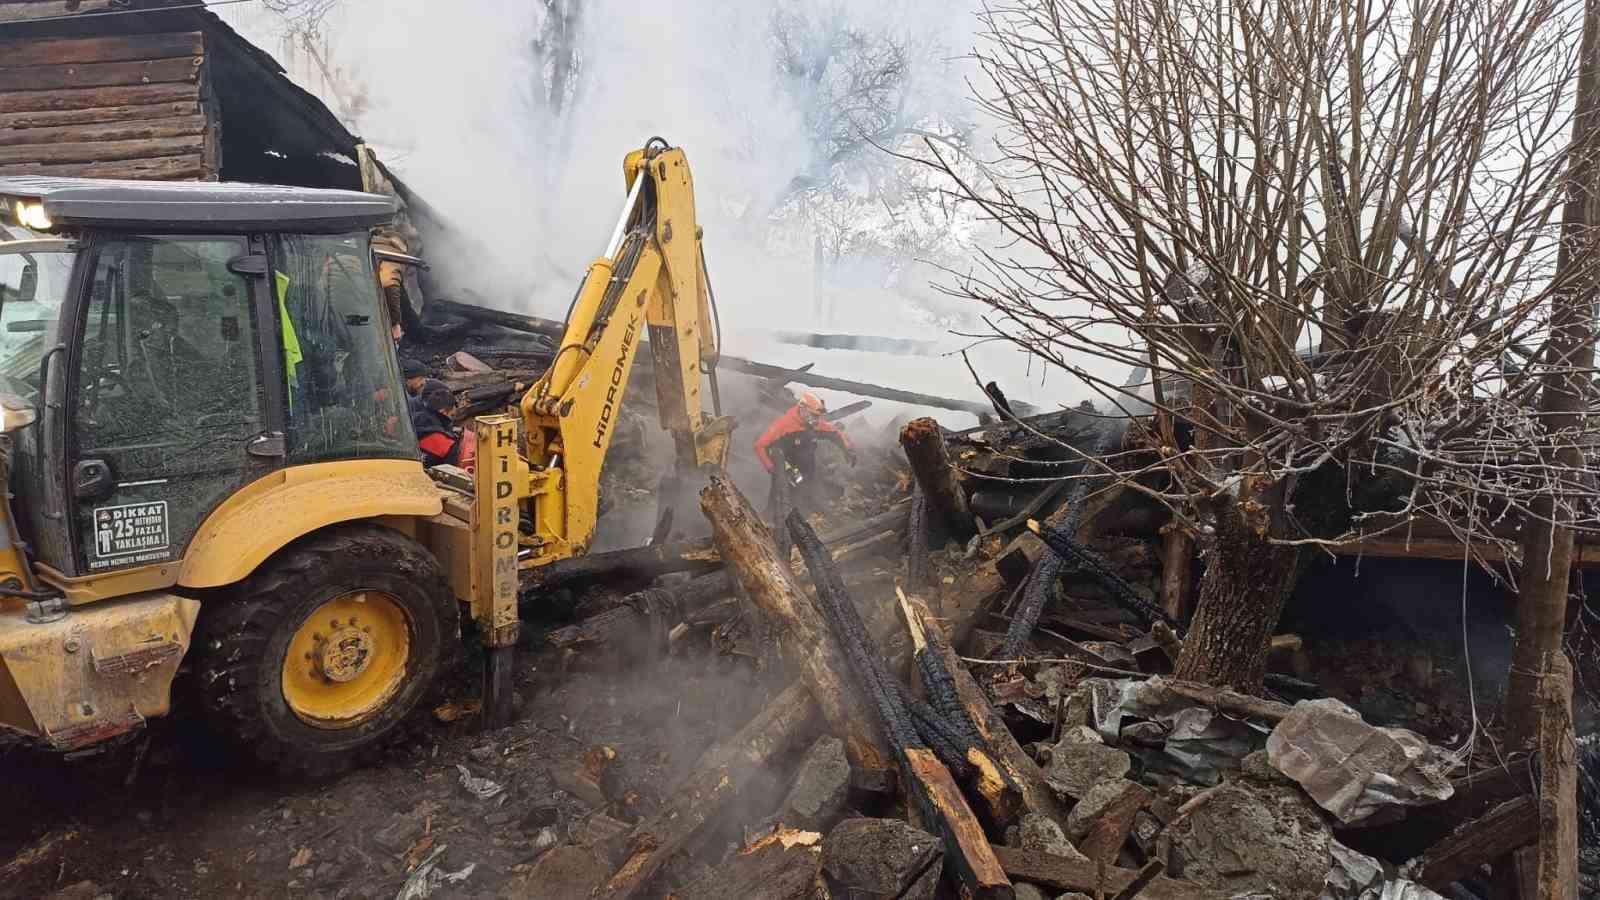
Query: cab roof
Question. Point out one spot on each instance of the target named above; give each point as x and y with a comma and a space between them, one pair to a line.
198, 205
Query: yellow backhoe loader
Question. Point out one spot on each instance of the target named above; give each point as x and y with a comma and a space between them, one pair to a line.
211, 466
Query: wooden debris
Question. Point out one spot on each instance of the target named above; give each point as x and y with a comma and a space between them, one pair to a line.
1018, 765
1507, 827
782, 865
722, 771
998, 792
968, 859
1063, 874
859, 388
748, 548
923, 442
1146, 875
631, 563
1107, 835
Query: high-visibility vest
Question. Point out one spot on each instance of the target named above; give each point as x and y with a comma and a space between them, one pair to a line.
291, 341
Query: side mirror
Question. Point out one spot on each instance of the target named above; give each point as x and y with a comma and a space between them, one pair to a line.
28, 287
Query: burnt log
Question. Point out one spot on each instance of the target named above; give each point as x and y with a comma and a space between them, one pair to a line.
968, 858
923, 442
782, 375
1018, 766
1090, 563
748, 549
631, 563
1508, 827
527, 324
989, 779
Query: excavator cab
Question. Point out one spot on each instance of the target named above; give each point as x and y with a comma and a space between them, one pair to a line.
198, 390
177, 343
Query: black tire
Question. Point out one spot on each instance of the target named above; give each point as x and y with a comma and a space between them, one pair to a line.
243, 639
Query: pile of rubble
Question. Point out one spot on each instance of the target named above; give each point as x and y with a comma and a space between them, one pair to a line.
1067, 763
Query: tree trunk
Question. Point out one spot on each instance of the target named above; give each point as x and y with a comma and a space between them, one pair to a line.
1547, 551
1242, 594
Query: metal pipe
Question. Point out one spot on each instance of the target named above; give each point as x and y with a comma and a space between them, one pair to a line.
627, 212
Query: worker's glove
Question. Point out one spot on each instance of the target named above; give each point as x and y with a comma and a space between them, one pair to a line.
794, 475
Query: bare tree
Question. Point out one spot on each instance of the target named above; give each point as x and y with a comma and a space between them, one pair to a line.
1567, 396
863, 84
1327, 230
302, 16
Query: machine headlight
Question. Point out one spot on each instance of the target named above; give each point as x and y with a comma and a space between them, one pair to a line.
32, 215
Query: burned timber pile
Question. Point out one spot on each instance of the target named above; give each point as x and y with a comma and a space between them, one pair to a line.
970, 695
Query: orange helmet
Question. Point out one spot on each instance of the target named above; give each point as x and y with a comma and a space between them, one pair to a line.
811, 403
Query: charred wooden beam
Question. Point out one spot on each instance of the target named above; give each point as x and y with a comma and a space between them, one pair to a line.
968, 858
1021, 768
529, 324
997, 795
747, 547
633, 562
1509, 826
1089, 562
923, 442
859, 388
919, 568
1072, 518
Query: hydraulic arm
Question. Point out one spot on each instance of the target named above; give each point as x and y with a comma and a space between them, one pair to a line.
651, 278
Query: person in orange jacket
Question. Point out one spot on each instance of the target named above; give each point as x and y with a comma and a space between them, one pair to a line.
796, 433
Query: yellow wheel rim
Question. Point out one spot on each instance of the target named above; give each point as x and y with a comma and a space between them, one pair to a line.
347, 660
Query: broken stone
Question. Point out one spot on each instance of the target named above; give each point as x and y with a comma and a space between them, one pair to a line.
1249, 838
1025, 891
1040, 832
1074, 896
1145, 734
1353, 769
1096, 802
816, 799
881, 858
1076, 768
1352, 876
1258, 767
1081, 734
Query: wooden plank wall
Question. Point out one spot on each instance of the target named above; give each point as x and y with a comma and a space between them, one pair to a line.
130, 106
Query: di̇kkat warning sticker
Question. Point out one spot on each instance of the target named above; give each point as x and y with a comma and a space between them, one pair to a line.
133, 532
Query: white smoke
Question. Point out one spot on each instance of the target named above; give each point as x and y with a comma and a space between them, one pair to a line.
455, 108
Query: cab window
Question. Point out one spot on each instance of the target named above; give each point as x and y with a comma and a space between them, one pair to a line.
342, 386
